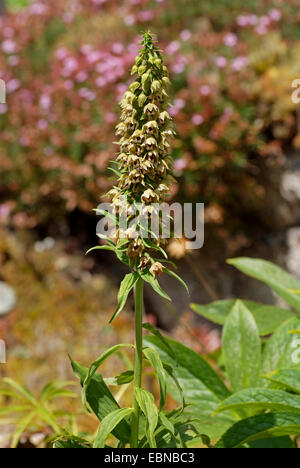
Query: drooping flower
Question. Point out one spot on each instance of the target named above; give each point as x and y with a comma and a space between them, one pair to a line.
144, 159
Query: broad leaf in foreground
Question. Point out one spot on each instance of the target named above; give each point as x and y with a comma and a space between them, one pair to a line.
203, 389
262, 399
100, 400
241, 348
260, 427
279, 280
267, 317
279, 349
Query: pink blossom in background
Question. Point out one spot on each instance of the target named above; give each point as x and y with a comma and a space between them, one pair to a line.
61, 53
100, 82
117, 48
8, 32
242, 20
239, 63
38, 8
94, 56
9, 46
87, 94
3, 109
45, 102
68, 84
275, 14
179, 164
252, 20
221, 61
179, 103
197, 119
24, 141
86, 49
146, 15
173, 47
42, 124
70, 65
230, 39
265, 20
13, 85
205, 90
81, 77
110, 117
129, 20
185, 34
261, 29
13, 60
179, 65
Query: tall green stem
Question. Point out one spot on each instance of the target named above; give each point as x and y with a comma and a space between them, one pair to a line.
138, 360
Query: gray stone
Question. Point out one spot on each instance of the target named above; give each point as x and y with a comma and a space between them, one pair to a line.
7, 299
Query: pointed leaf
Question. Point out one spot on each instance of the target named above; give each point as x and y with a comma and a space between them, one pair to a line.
262, 399
155, 285
97, 363
267, 318
126, 286
278, 279
177, 277
108, 424
100, 400
279, 349
260, 427
286, 378
148, 407
155, 361
241, 348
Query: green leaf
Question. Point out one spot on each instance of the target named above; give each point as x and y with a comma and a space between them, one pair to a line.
69, 442
150, 328
97, 363
279, 280
146, 403
14, 409
22, 390
260, 427
49, 418
126, 286
108, 240
21, 427
100, 400
146, 276
177, 277
108, 215
267, 318
56, 390
148, 243
279, 349
275, 442
262, 399
286, 378
241, 347
108, 424
155, 361
171, 373
101, 247
203, 389
122, 379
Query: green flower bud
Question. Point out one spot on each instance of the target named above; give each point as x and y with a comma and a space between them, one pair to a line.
134, 86
142, 70
146, 82
155, 86
142, 99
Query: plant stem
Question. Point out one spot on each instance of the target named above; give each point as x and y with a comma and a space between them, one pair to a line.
138, 359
